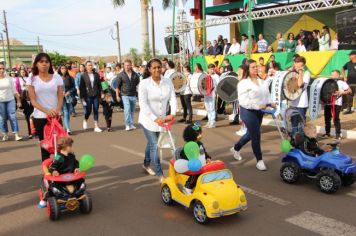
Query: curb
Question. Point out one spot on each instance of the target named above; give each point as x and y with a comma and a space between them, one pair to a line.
350, 134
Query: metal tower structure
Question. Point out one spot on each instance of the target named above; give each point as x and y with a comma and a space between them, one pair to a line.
183, 30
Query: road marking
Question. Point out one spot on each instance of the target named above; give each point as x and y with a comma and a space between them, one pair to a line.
265, 196
352, 194
322, 225
140, 154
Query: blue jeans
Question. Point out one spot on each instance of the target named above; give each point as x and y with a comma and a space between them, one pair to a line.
92, 104
129, 109
151, 152
295, 120
252, 120
66, 109
209, 103
8, 112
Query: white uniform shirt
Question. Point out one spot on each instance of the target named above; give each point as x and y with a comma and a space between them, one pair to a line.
342, 87
187, 90
252, 96
234, 49
302, 101
7, 89
46, 93
153, 101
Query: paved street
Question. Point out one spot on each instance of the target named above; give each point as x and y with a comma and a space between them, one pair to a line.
127, 202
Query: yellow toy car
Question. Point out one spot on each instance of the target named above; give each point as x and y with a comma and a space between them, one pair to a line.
216, 194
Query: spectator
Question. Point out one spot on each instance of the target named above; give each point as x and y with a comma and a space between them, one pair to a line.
262, 68
253, 44
221, 43
227, 67
117, 68
344, 89
244, 43
8, 105
198, 51
310, 42
350, 79
315, 42
209, 48
186, 97
217, 50
227, 46
300, 48
108, 74
127, 82
235, 47
280, 42
273, 68
290, 43
217, 67
90, 91
302, 36
25, 100
262, 44
170, 69
324, 39
46, 94
334, 43
164, 65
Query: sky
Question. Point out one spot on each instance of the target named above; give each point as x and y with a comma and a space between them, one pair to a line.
28, 19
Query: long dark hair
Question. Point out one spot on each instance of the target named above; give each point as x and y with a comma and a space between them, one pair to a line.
60, 71
187, 67
198, 65
39, 56
147, 72
248, 63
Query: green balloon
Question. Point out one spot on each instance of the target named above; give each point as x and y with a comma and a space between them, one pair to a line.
86, 162
191, 150
285, 146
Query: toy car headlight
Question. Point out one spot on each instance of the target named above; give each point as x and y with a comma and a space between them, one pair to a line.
56, 191
242, 198
82, 186
215, 205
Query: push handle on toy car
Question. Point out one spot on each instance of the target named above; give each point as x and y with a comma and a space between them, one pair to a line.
272, 113
167, 125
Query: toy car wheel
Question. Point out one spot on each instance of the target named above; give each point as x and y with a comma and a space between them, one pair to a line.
347, 180
53, 210
166, 195
200, 213
328, 181
86, 205
290, 172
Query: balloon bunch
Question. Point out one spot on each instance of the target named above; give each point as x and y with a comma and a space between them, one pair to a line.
195, 161
86, 162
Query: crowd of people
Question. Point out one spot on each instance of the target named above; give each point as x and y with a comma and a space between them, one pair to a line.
304, 41
43, 91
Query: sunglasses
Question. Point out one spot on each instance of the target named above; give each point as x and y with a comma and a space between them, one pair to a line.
196, 126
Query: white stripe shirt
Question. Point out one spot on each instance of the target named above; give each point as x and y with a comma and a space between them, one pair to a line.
252, 96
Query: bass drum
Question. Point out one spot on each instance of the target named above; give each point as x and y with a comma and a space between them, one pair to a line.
291, 90
179, 82
227, 87
198, 84
327, 90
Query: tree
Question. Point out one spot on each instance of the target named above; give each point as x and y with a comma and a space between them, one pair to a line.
57, 58
144, 16
147, 52
136, 60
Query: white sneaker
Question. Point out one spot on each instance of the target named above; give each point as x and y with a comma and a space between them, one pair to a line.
18, 137
261, 165
148, 170
161, 179
5, 137
187, 191
133, 127
211, 126
98, 130
236, 154
127, 128
85, 124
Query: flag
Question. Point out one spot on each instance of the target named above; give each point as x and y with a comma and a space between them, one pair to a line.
245, 4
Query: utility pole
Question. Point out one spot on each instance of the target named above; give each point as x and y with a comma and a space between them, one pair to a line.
3, 48
153, 33
38, 44
7, 39
118, 42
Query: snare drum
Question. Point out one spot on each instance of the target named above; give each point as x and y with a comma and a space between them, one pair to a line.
198, 84
291, 90
227, 87
179, 81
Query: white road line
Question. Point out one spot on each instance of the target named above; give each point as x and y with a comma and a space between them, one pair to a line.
321, 225
268, 197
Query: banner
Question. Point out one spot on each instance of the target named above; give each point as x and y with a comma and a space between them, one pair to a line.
276, 91
314, 97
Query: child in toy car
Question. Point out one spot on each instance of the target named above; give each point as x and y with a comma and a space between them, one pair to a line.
307, 142
193, 133
64, 162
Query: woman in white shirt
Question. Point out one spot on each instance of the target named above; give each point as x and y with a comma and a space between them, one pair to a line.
154, 94
8, 104
253, 97
300, 47
45, 90
186, 98
324, 40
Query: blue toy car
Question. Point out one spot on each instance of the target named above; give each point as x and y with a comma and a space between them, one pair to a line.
331, 169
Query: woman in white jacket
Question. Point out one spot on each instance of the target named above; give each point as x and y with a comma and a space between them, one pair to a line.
324, 40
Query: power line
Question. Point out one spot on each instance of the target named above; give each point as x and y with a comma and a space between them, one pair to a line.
62, 35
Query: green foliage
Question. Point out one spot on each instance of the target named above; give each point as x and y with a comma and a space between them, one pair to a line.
147, 52
136, 60
57, 58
